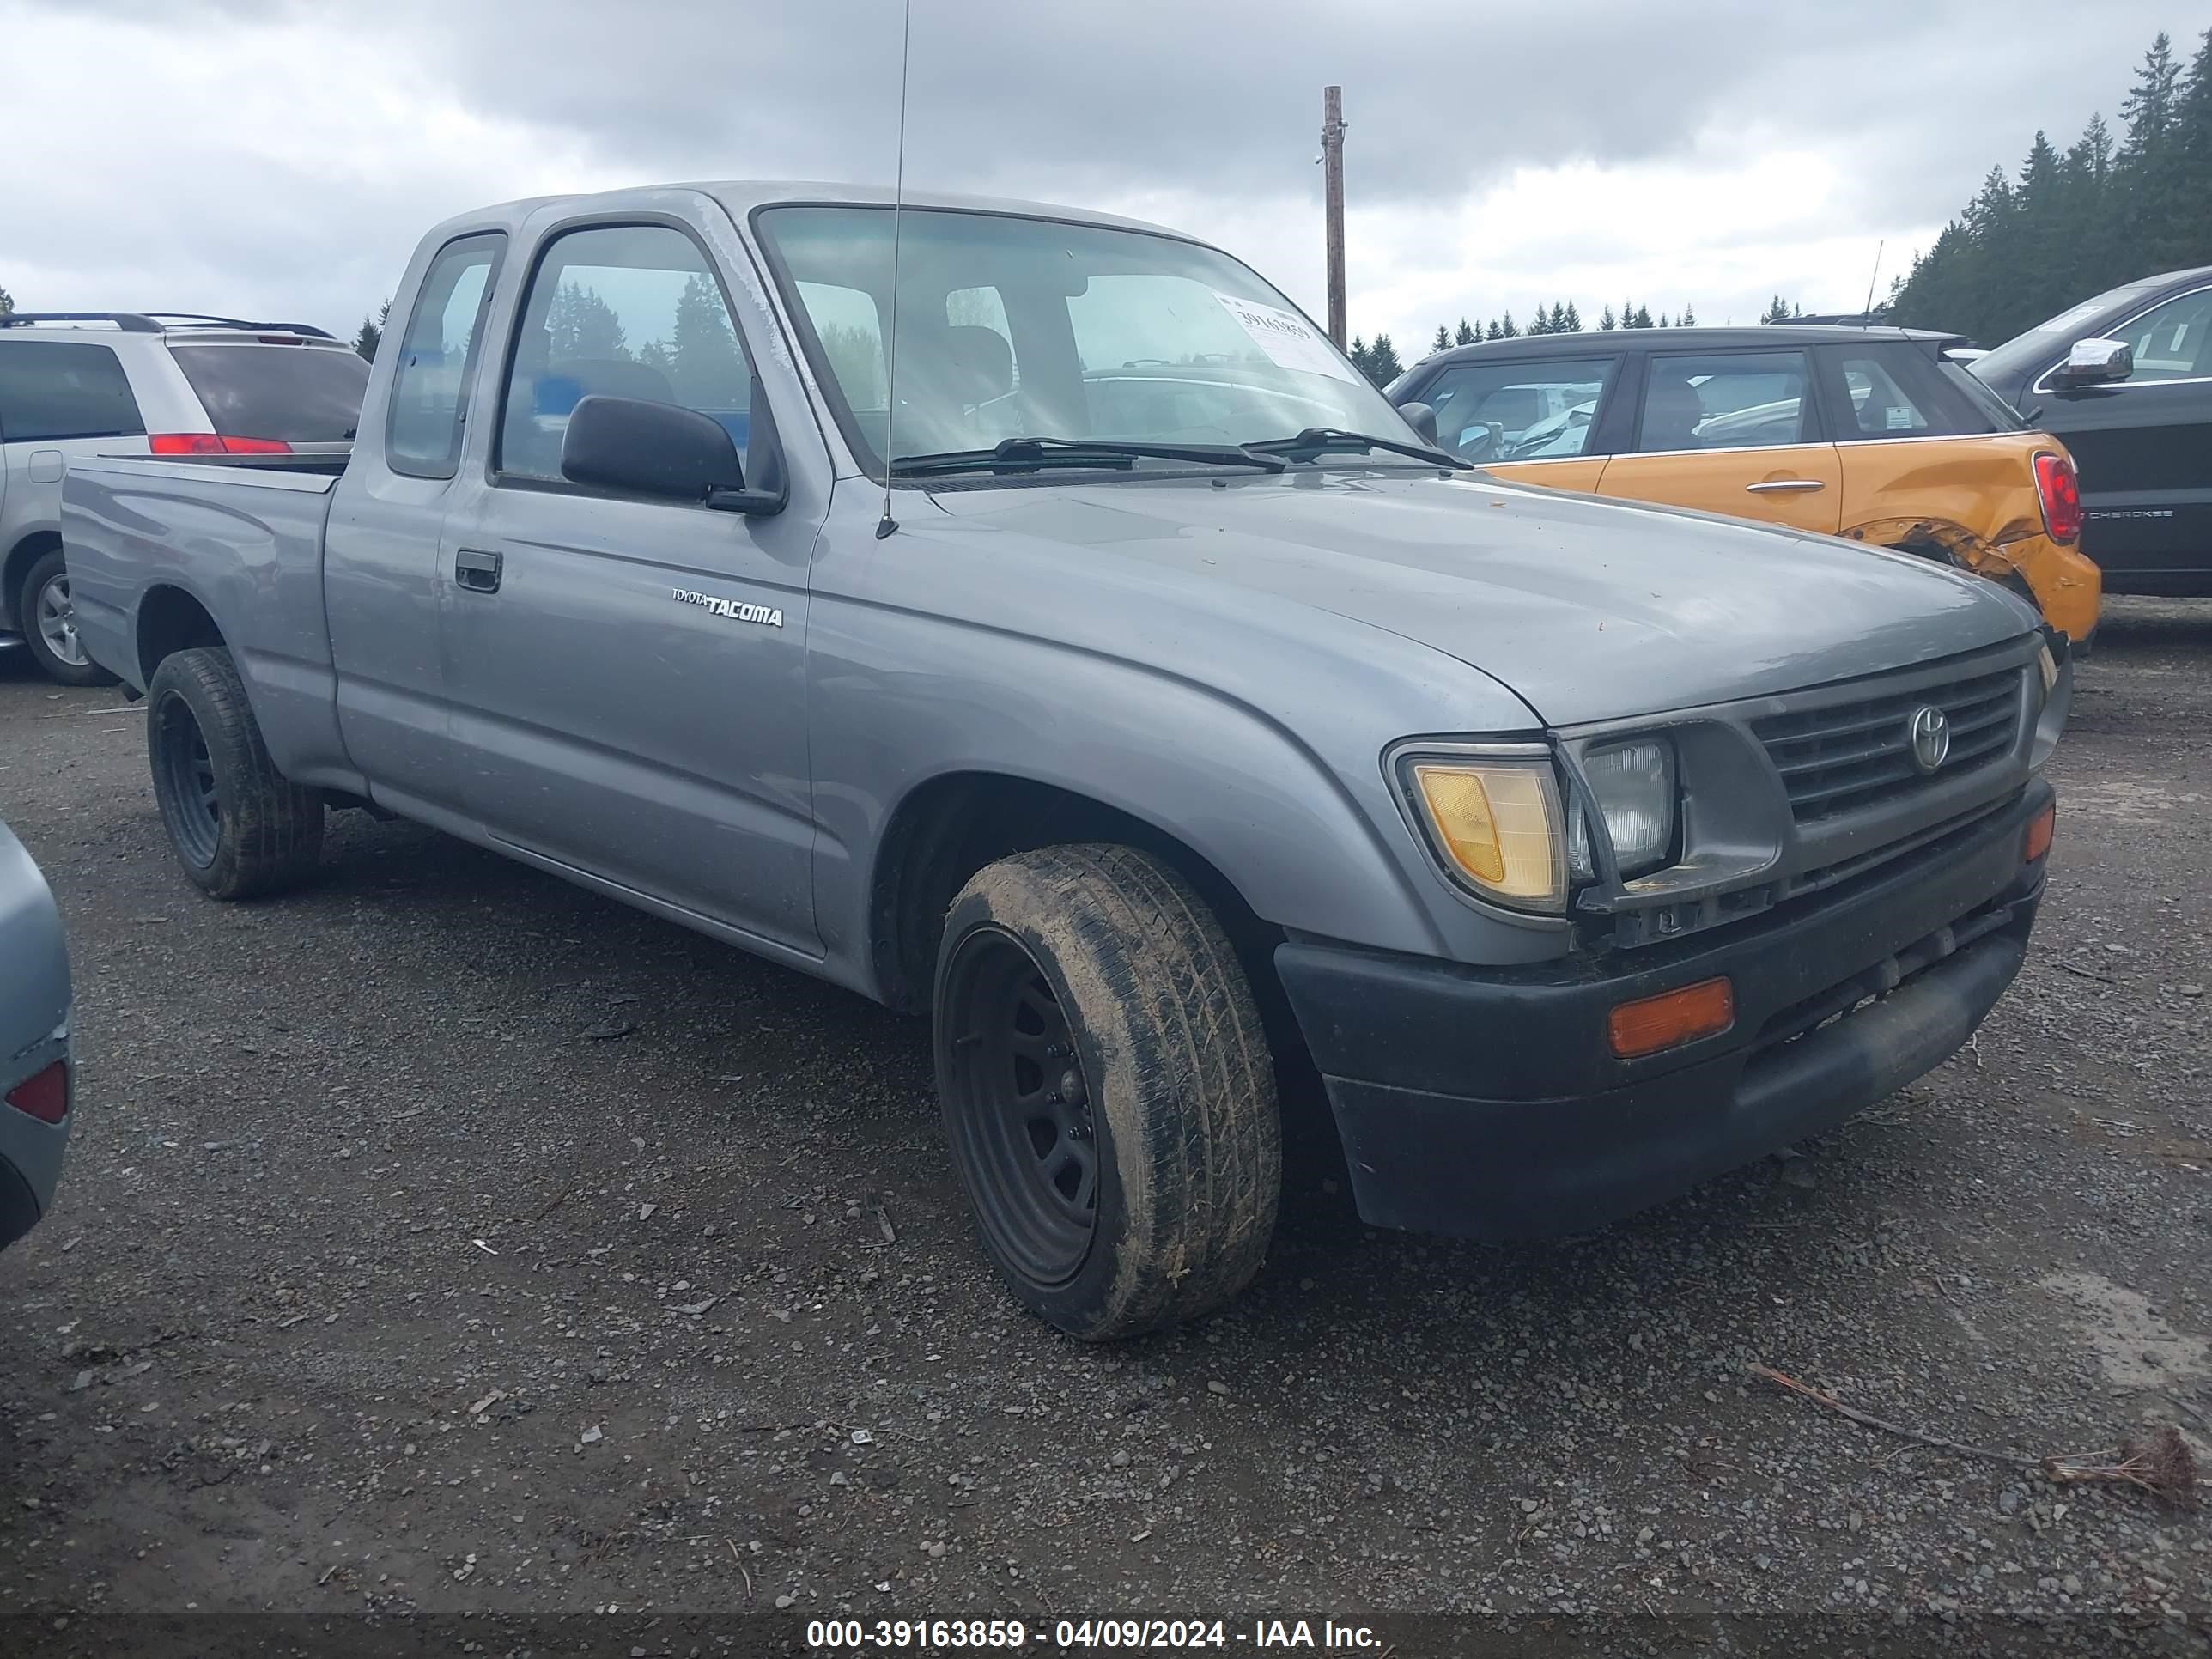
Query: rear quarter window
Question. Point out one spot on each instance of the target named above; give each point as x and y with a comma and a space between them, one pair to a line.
1900, 390
297, 394
54, 389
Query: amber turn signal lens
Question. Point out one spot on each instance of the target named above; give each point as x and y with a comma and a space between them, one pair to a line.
1671, 1019
2040, 829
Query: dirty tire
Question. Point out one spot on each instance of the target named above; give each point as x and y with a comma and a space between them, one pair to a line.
1174, 1070
46, 569
239, 828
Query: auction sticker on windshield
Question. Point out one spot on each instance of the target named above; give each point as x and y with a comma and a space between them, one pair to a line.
1289, 341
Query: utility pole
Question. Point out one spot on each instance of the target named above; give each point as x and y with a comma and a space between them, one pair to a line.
1332, 157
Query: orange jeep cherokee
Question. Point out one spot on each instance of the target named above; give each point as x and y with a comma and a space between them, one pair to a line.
1871, 434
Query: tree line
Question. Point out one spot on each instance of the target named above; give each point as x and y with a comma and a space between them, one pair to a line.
1377, 359
2074, 223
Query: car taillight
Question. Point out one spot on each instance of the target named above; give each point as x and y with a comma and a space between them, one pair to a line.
213, 443
44, 1094
2055, 481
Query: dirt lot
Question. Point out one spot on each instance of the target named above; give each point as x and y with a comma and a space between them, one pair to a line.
447, 1239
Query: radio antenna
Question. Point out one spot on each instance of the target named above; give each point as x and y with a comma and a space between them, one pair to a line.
888, 524
1871, 274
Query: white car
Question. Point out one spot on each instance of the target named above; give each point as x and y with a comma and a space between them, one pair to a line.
130, 383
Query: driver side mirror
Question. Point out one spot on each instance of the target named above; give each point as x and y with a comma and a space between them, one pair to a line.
2095, 362
1422, 417
639, 447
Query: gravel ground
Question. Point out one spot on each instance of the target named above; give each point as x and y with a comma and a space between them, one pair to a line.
445, 1239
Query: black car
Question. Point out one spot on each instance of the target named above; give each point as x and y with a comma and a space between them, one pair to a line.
2138, 421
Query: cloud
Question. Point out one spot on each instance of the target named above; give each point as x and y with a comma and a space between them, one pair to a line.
282, 158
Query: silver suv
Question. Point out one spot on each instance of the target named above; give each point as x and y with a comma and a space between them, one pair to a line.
130, 383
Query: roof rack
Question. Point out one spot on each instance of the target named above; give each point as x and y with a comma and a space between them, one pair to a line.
130, 322
201, 319
156, 322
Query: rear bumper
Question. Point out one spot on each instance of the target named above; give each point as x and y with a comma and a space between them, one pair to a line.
2066, 584
1490, 1105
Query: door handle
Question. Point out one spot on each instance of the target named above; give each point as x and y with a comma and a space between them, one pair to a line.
477, 572
1784, 486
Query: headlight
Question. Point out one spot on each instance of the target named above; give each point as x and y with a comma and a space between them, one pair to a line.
2047, 665
1634, 784
1498, 823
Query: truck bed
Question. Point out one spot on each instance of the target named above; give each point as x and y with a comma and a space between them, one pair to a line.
157, 545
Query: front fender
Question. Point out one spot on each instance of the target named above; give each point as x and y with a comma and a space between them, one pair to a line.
1313, 841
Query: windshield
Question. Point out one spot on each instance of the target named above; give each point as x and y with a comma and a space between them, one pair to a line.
2050, 338
1011, 327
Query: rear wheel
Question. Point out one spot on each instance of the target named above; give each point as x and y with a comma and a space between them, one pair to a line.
239, 828
47, 616
1108, 1093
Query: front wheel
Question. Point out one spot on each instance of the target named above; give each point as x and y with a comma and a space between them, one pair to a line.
47, 614
240, 827
1107, 1091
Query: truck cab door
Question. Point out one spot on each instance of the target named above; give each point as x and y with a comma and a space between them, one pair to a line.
627, 674
382, 550
1733, 432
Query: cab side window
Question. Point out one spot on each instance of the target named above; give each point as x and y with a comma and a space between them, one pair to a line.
1723, 400
1530, 411
2169, 342
438, 357
623, 310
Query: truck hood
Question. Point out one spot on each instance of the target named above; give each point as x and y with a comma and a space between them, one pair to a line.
1586, 609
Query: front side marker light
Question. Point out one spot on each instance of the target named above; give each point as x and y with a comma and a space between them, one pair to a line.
1498, 824
1651, 1024
2040, 829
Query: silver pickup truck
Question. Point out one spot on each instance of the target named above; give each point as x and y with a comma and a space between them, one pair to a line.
1027, 617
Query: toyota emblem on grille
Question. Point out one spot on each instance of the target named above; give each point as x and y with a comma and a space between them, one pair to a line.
1931, 731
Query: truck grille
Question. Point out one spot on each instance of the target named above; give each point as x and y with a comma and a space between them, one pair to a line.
1853, 755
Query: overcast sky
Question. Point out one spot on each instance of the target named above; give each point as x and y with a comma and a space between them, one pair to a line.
279, 160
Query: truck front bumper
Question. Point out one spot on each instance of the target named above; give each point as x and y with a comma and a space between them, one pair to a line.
1489, 1104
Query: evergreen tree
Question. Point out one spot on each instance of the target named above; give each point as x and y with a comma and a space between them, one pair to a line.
1383, 365
709, 371
1574, 319
1358, 352
584, 325
1465, 334
7, 302
1627, 314
1505, 328
1643, 318
1778, 311
1689, 316
2074, 223
1605, 320
1493, 333
365, 342
2192, 109
1443, 341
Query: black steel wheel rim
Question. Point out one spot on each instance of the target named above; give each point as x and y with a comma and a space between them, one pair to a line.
1019, 1110
191, 805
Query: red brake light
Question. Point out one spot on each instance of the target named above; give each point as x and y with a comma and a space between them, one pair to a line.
44, 1094
212, 443
2055, 481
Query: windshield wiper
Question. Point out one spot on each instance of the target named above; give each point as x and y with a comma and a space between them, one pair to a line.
1028, 454
1329, 440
